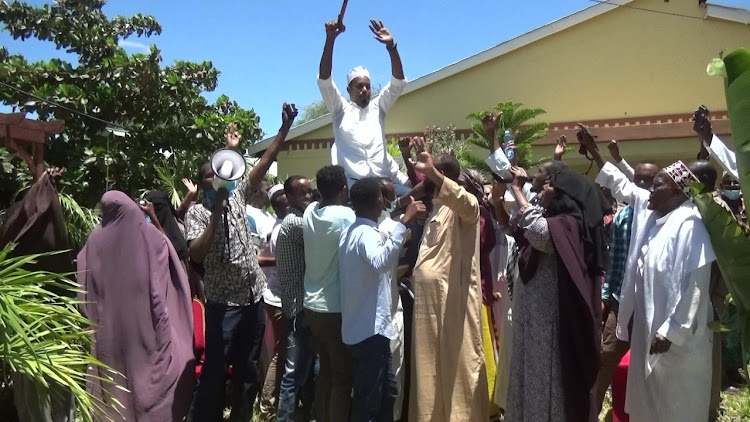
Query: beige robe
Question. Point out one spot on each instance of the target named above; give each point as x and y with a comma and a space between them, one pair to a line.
449, 379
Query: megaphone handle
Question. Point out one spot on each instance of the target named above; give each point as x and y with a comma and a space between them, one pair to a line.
226, 249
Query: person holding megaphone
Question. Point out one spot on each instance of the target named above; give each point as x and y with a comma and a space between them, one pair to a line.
219, 237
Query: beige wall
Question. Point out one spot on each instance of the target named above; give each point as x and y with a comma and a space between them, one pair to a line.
624, 63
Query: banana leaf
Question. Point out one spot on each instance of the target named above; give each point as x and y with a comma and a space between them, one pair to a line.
731, 242
736, 73
730, 239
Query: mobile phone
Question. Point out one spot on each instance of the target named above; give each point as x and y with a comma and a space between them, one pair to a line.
701, 115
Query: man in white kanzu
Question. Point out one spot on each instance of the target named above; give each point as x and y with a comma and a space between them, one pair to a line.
359, 123
666, 292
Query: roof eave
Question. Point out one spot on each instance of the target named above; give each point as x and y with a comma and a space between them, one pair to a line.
469, 62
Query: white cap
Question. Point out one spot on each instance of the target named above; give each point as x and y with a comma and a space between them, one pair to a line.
356, 73
274, 190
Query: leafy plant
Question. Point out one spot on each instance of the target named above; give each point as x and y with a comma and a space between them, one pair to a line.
79, 221
162, 107
445, 141
42, 334
731, 240
514, 119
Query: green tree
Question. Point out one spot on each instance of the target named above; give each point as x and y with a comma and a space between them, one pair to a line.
514, 119
162, 107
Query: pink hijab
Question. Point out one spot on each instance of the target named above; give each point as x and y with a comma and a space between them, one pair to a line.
138, 297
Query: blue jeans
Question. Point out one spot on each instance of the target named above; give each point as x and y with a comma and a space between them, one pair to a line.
298, 373
375, 387
234, 335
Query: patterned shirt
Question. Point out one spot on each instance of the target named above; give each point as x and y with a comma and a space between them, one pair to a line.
618, 253
290, 263
233, 276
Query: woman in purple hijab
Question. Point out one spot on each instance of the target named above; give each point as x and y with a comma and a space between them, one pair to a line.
137, 295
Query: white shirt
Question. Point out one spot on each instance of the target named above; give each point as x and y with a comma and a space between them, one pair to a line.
272, 295
367, 259
726, 157
386, 226
359, 133
264, 224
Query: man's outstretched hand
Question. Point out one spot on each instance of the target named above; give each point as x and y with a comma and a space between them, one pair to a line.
288, 114
55, 173
334, 29
489, 123
381, 33
233, 137
423, 163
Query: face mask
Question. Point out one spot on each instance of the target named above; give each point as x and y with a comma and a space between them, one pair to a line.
391, 207
732, 195
211, 196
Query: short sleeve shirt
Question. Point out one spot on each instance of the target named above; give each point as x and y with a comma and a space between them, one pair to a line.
232, 274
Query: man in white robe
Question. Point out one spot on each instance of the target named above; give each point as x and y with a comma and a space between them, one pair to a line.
665, 291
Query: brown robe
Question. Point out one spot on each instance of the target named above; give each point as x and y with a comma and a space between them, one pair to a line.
449, 379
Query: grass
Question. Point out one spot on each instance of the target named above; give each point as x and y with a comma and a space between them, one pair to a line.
735, 406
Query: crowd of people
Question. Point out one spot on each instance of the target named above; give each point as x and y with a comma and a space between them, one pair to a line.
429, 295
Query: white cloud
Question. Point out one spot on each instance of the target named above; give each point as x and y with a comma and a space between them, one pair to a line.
134, 45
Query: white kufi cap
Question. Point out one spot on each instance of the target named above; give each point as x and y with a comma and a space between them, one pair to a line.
274, 190
356, 73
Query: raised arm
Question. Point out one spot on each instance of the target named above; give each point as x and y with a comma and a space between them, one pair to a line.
464, 204
405, 144
489, 124
333, 29
192, 193
258, 172
614, 151
712, 145
383, 35
561, 147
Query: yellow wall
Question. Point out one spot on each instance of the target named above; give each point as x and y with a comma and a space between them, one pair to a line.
624, 63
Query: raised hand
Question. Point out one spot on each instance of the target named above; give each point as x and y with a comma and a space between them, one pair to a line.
585, 137
147, 207
489, 123
381, 33
562, 145
288, 114
404, 143
334, 29
192, 188
424, 163
519, 176
55, 173
233, 137
614, 150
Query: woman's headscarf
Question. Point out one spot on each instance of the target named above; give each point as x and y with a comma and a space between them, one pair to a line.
168, 218
578, 196
136, 293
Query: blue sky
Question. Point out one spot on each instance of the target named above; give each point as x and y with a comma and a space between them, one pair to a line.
268, 51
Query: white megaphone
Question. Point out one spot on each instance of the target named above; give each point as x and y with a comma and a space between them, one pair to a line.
228, 166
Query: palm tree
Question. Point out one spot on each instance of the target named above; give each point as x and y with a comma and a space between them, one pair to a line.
43, 337
515, 120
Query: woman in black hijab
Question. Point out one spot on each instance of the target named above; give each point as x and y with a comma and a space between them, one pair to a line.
167, 217
557, 316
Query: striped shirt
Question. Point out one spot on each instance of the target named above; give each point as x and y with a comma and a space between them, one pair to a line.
290, 263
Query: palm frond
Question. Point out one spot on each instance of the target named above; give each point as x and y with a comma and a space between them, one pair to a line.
42, 335
79, 221
168, 181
